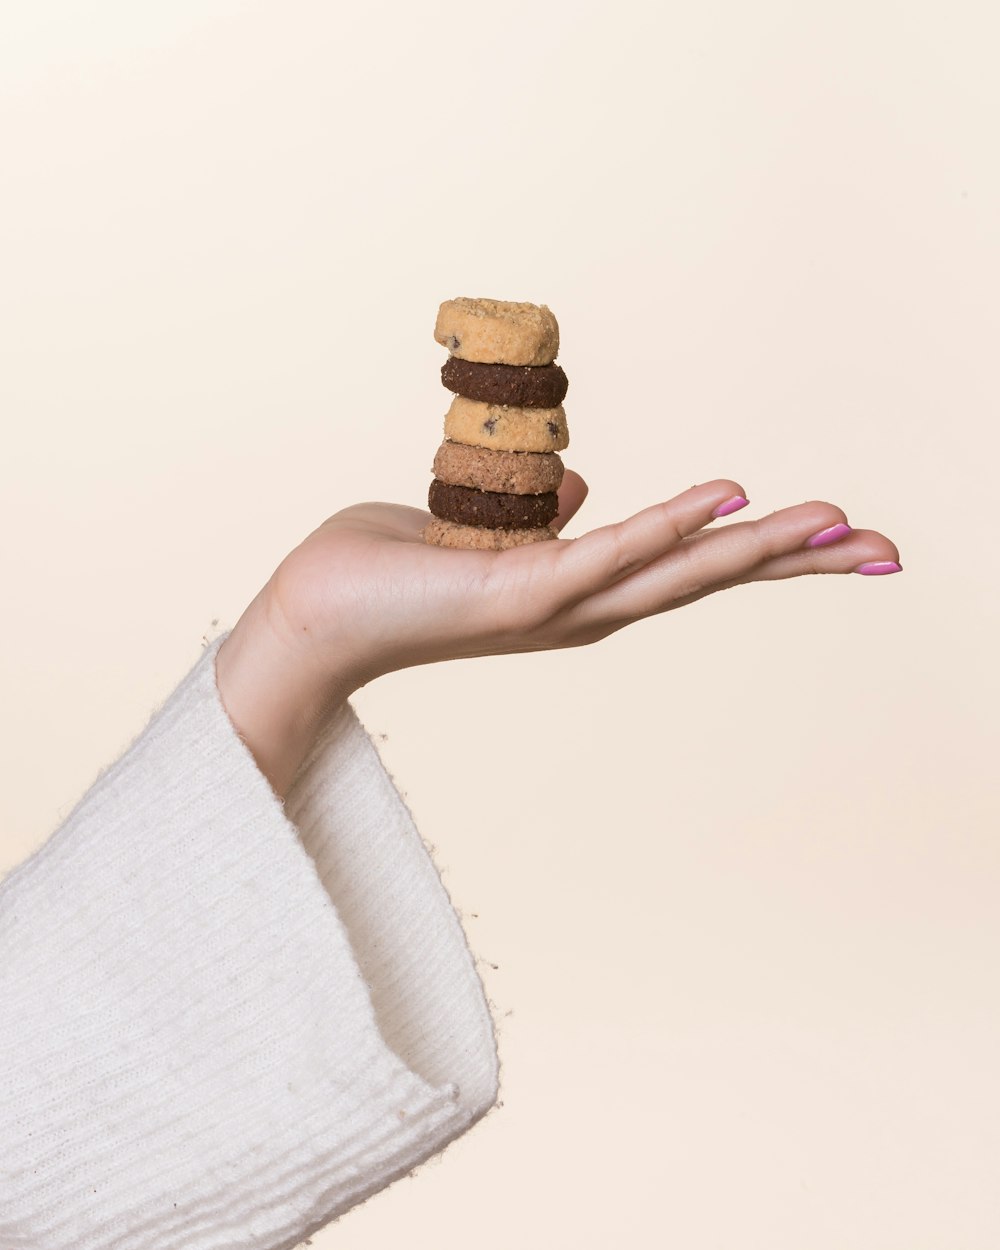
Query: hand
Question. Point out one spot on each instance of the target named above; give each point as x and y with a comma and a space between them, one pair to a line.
363, 595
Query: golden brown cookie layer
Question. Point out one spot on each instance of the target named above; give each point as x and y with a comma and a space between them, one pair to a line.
506, 429
497, 332
516, 472
440, 533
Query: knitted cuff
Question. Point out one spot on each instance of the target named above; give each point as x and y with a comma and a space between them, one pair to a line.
223, 1022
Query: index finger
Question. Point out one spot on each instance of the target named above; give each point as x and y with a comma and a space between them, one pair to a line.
604, 556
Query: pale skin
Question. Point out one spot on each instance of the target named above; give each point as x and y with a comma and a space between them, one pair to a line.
364, 595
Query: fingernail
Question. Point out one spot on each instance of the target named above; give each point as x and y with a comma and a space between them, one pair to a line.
879, 566
731, 505
829, 535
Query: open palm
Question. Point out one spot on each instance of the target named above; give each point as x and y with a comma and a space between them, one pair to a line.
365, 594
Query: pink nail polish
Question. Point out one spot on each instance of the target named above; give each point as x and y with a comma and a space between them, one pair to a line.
829, 535
879, 566
731, 505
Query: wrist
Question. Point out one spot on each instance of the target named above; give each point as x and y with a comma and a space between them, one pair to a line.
276, 701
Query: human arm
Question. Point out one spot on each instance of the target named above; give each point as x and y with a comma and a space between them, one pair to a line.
234, 997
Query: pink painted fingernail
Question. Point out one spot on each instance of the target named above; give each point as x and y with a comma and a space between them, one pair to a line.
731, 505
829, 535
879, 566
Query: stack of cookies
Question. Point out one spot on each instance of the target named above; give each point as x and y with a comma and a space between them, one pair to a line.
497, 471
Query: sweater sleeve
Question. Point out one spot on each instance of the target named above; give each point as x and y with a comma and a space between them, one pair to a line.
225, 1021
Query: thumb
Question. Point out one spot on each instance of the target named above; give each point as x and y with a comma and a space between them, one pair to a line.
572, 492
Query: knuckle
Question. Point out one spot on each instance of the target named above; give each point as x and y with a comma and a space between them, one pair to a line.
669, 522
588, 636
622, 553
761, 541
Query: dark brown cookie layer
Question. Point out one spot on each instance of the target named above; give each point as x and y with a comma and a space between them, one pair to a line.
519, 386
496, 510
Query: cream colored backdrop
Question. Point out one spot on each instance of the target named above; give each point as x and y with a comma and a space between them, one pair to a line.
738, 866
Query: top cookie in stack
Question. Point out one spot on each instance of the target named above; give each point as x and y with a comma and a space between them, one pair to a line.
497, 471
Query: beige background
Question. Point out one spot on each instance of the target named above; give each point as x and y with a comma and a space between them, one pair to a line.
741, 880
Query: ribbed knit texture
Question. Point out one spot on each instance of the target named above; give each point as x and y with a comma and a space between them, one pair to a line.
223, 1021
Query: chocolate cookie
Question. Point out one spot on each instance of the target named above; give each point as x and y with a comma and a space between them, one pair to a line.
521, 386
490, 508
517, 472
506, 429
440, 533
497, 331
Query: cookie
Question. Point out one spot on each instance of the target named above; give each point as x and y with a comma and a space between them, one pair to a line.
519, 386
440, 533
506, 429
492, 509
497, 332
516, 472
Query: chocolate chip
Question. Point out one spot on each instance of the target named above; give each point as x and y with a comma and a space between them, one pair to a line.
454, 344
490, 424
553, 428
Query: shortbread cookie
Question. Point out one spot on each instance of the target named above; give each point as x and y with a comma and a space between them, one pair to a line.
441, 533
497, 332
516, 472
506, 429
520, 386
491, 508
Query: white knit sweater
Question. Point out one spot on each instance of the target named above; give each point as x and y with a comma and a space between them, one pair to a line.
223, 1022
